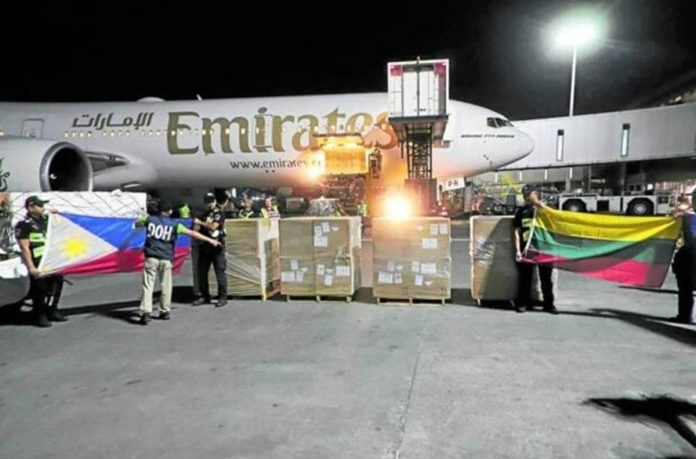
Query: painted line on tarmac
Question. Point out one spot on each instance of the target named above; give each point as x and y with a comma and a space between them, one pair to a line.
453, 239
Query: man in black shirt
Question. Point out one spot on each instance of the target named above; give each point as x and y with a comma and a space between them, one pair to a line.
212, 225
31, 236
684, 262
522, 227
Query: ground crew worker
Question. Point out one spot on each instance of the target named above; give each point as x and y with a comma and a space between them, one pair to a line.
31, 235
213, 226
270, 210
247, 211
162, 232
684, 264
185, 211
522, 227
362, 209
338, 210
362, 212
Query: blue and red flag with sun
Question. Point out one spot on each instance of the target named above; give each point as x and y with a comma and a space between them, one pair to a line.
86, 245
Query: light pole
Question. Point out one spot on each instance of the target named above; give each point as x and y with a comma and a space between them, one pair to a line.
575, 36
572, 79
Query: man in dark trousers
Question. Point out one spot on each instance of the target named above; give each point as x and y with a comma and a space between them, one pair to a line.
522, 227
160, 244
31, 235
684, 265
212, 225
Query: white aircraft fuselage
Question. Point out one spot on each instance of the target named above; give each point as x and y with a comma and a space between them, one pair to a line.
252, 142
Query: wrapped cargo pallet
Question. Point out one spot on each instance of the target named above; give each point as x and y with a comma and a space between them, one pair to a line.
253, 263
494, 273
320, 256
411, 258
493, 267
297, 269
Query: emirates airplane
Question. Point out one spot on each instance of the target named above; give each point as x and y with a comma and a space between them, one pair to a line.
153, 144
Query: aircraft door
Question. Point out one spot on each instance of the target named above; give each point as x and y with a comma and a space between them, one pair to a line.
32, 128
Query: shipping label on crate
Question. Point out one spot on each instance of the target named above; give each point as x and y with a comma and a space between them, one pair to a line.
429, 243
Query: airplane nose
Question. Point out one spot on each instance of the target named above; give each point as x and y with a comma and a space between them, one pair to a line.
526, 144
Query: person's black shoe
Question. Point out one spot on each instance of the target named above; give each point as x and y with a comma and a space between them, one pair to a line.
221, 303
55, 316
164, 316
144, 319
200, 301
42, 321
680, 320
551, 309
521, 309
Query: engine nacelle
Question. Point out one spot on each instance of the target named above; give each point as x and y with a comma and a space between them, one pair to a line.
43, 165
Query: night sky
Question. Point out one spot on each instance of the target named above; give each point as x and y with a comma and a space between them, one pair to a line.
500, 51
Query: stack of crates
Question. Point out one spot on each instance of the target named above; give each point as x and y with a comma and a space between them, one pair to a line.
253, 258
412, 258
320, 256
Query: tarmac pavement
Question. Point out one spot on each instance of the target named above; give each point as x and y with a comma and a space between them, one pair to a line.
607, 378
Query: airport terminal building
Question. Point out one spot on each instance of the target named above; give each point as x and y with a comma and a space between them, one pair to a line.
621, 152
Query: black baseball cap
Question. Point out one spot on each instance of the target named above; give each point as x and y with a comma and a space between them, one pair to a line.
34, 201
528, 190
209, 197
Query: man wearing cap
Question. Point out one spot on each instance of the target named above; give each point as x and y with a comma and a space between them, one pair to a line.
522, 227
31, 235
212, 225
160, 242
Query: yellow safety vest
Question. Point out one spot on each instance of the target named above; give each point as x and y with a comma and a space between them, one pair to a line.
274, 214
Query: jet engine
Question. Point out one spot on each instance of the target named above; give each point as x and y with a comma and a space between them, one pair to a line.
43, 165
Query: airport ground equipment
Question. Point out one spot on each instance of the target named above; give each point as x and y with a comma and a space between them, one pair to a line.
253, 258
411, 259
349, 168
494, 273
418, 92
320, 257
647, 204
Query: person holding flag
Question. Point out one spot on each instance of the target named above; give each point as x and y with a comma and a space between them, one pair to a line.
684, 264
522, 227
31, 236
162, 232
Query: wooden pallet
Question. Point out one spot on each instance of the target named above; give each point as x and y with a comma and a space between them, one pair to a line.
319, 298
410, 301
264, 296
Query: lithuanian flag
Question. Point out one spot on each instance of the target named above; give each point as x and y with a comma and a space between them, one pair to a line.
629, 250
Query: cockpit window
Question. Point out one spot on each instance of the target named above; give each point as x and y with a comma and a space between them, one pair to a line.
498, 123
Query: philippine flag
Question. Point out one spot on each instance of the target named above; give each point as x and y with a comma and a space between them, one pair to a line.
81, 244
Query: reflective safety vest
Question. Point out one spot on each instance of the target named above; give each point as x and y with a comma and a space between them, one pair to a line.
245, 215
362, 210
185, 211
33, 229
273, 213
